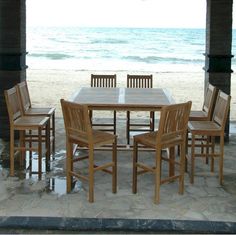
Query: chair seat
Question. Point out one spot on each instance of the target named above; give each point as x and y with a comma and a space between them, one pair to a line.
150, 139
198, 115
40, 111
147, 139
26, 122
203, 127
100, 138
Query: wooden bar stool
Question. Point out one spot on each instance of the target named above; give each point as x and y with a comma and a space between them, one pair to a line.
208, 106
171, 133
79, 132
109, 81
203, 135
31, 131
207, 110
139, 81
28, 110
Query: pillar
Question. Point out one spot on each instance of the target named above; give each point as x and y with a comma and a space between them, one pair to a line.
218, 46
12, 52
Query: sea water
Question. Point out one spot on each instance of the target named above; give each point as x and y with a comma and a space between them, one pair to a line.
117, 49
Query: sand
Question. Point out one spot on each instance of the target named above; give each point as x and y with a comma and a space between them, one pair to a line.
47, 87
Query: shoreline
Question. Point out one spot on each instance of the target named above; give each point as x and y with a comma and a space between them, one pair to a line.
55, 84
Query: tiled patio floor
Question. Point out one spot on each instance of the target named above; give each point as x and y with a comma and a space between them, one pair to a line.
205, 200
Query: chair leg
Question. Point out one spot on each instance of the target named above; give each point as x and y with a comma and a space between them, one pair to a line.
182, 168
91, 176
212, 151
186, 154
114, 167
22, 145
192, 159
30, 163
221, 160
30, 143
47, 145
12, 151
186, 164
91, 116
128, 127
171, 162
208, 141
152, 121
40, 153
69, 165
135, 168
114, 122
53, 133
157, 175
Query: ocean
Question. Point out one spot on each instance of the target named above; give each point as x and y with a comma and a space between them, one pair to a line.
118, 49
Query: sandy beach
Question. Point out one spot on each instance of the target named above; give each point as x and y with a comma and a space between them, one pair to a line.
47, 87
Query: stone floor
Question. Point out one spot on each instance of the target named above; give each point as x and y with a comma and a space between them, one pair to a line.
24, 195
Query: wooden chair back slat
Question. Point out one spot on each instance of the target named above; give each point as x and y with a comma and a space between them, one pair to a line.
99, 80
76, 120
205, 114
139, 81
23, 93
221, 109
173, 123
209, 100
13, 104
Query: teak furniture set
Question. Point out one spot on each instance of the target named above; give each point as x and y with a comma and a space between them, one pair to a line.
179, 128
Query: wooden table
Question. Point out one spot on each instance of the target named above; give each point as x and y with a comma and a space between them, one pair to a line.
127, 99
139, 99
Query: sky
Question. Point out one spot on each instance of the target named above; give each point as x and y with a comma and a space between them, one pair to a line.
118, 13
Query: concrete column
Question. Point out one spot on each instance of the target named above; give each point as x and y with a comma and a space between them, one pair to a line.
12, 52
218, 46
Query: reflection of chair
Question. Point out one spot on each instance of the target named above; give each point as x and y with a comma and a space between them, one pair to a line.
24, 124
104, 81
28, 110
79, 132
171, 132
203, 135
139, 81
208, 106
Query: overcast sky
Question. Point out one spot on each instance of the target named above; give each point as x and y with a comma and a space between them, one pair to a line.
118, 13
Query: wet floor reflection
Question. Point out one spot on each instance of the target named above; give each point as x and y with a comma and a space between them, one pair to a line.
232, 128
52, 180
55, 180
56, 185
